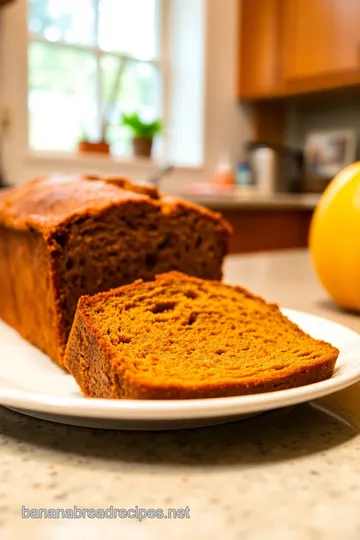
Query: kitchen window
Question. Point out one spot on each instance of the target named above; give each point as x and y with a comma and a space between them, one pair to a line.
88, 59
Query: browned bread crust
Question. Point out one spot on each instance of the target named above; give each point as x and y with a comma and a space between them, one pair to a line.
181, 337
65, 236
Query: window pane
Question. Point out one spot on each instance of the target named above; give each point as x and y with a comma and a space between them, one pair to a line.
139, 91
62, 100
72, 21
129, 26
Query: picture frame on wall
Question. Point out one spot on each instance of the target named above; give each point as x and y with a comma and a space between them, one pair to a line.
328, 152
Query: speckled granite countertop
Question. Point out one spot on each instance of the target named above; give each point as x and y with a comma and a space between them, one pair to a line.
291, 474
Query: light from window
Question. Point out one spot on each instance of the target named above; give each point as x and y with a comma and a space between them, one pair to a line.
76, 48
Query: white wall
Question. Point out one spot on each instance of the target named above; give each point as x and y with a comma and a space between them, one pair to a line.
226, 123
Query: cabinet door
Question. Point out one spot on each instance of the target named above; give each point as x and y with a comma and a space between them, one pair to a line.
308, 47
259, 73
346, 35
321, 37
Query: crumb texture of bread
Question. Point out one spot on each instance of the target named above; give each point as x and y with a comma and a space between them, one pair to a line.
180, 337
63, 236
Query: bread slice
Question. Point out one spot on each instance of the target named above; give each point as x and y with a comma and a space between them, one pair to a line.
181, 337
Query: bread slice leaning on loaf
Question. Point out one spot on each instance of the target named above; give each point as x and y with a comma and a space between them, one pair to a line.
64, 236
180, 337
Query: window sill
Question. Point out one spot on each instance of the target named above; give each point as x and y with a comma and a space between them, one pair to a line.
107, 162
89, 159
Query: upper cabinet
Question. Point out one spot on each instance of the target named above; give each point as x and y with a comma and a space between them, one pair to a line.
298, 46
308, 29
346, 35
260, 47
321, 42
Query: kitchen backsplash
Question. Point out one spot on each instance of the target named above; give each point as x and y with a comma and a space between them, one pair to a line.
322, 114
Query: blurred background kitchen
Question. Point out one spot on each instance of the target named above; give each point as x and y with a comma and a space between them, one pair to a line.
249, 107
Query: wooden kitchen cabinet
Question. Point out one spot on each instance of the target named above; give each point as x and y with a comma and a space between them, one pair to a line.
308, 50
321, 43
259, 48
290, 47
268, 229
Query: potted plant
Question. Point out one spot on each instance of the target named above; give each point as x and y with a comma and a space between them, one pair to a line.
143, 133
85, 145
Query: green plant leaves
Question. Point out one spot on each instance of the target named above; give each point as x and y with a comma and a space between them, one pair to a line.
140, 128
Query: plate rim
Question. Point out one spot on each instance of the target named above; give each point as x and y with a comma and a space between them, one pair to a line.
151, 410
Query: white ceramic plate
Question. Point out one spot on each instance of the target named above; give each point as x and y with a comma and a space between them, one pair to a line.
33, 385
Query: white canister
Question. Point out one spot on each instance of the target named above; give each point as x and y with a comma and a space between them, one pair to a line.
264, 164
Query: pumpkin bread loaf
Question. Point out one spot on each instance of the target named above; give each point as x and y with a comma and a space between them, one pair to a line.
62, 237
180, 337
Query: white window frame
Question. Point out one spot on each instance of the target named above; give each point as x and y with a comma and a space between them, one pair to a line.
225, 125
158, 61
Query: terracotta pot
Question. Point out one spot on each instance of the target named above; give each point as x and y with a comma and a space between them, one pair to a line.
142, 146
87, 147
